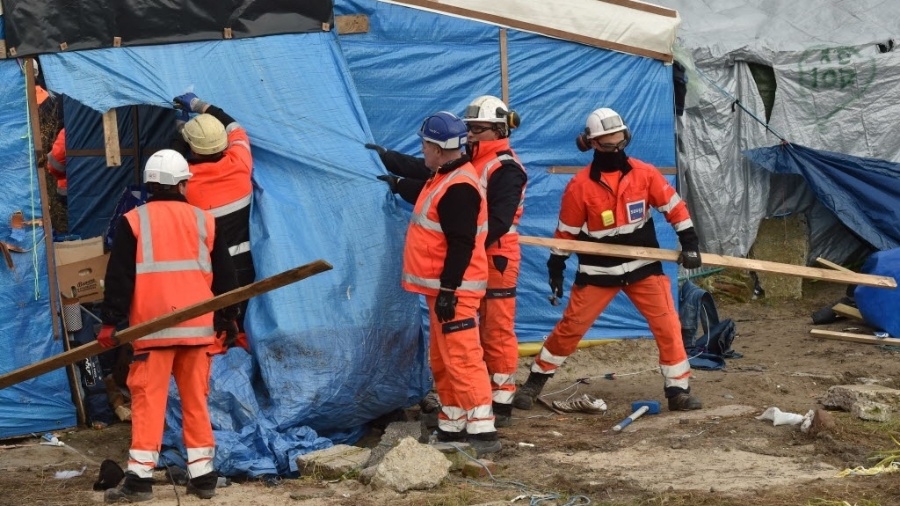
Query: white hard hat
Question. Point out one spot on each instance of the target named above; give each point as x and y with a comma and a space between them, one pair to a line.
604, 121
486, 108
205, 134
167, 167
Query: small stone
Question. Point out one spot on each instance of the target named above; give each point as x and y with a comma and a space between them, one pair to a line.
479, 468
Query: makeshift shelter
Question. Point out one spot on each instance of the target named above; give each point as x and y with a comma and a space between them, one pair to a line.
553, 63
822, 74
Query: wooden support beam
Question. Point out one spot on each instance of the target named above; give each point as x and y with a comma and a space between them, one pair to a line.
138, 331
352, 23
111, 139
614, 250
571, 169
828, 263
848, 311
504, 67
855, 338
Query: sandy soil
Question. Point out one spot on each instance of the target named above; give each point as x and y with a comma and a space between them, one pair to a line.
720, 455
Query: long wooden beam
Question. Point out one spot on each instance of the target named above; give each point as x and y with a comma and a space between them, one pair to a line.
854, 338
614, 250
138, 331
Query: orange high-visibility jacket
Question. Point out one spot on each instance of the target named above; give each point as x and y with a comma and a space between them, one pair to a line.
173, 270
223, 186
426, 245
489, 157
56, 162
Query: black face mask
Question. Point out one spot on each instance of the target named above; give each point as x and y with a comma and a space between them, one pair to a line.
609, 161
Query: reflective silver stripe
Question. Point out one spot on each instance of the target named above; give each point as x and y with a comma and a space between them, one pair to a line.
624, 229
142, 462
59, 166
240, 248
238, 204
481, 419
616, 270
490, 165
670, 205
562, 227
180, 333
683, 225
436, 283
421, 217
202, 262
557, 251
677, 375
553, 362
503, 396
456, 419
200, 461
503, 379
231, 127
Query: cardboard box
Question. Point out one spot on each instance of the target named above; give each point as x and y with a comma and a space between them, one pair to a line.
80, 269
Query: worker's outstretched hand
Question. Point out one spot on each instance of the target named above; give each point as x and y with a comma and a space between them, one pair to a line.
556, 266
390, 180
376, 148
690, 259
107, 336
226, 327
190, 102
445, 306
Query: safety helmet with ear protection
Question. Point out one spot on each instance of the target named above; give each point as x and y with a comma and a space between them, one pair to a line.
444, 129
167, 167
490, 109
600, 122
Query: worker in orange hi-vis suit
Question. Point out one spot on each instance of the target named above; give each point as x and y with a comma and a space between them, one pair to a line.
167, 256
222, 166
444, 260
56, 165
609, 202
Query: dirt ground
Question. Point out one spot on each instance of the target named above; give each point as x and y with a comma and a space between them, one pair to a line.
720, 455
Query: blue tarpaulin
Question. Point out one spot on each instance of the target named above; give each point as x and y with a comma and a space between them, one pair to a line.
862, 192
26, 333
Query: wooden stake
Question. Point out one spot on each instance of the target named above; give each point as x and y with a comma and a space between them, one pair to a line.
829, 263
504, 67
111, 138
138, 331
856, 338
614, 250
848, 311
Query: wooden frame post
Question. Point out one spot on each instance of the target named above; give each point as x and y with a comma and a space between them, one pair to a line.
504, 67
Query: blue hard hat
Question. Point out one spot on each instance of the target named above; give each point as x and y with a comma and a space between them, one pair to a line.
444, 129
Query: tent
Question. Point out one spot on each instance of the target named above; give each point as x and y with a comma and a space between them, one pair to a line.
420, 57
332, 353
822, 75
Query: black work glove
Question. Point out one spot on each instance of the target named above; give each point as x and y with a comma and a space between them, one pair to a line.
227, 327
556, 265
445, 307
690, 249
376, 148
390, 180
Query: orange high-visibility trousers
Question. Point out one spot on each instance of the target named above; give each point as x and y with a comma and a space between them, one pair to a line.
148, 380
460, 375
498, 334
652, 296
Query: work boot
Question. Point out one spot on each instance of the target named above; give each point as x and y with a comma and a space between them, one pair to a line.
527, 393
484, 443
684, 401
502, 414
203, 486
133, 490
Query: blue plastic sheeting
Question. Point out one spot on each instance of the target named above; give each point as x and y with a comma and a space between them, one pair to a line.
93, 188
26, 333
339, 349
412, 63
862, 192
878, 306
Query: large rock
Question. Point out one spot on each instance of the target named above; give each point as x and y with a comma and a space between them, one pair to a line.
845, 396
411, 466
334, 462
393, 434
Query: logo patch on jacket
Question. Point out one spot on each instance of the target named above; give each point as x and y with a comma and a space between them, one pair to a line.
635, 211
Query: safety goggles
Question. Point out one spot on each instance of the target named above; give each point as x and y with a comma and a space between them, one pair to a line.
610, 146
478, 129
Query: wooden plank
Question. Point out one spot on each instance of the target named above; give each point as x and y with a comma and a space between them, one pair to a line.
828, 263
848, 311
532, 27
138, 331
111, 139
854, 338
710, 259
641, 6
122, 151
504, 67
572, 169
352, 23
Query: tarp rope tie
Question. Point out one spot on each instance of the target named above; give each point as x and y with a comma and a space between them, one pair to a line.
736, 102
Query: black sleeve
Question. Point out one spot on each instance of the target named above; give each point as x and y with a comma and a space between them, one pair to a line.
403, 165
689, 240
504, 192
458, 215
120, 273
220, 115
224, 275
409, 189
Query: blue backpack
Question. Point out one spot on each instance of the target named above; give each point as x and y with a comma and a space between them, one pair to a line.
133, 196
698, 310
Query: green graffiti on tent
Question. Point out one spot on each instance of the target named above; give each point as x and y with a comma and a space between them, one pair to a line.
841, 72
